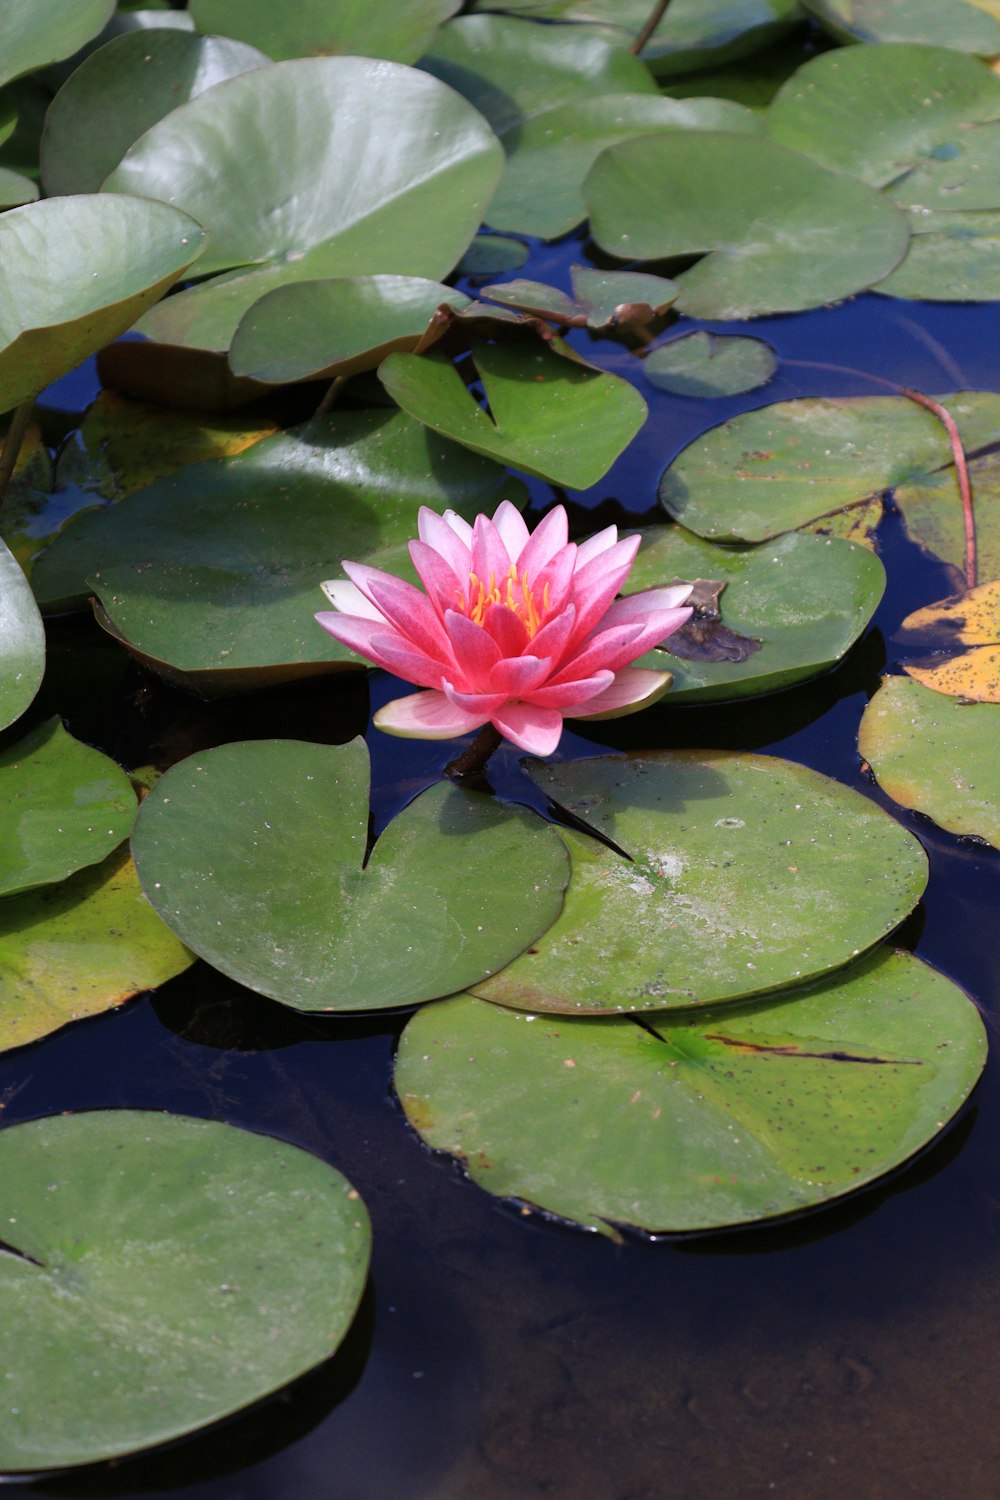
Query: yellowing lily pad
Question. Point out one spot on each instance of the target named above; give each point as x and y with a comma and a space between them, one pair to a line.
740, 874
701, 1120
964, 632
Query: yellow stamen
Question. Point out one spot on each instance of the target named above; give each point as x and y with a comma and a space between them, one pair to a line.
513, 592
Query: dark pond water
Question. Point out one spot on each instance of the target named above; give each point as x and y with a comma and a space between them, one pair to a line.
502, 1357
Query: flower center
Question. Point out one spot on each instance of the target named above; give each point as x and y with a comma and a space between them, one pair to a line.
512, 591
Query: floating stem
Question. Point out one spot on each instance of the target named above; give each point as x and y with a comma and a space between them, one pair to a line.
962, 472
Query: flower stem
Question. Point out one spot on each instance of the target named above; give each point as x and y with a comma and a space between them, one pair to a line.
12, 442
474, 757
640, 40
962, 474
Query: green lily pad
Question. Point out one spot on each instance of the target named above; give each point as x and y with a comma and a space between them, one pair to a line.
103, 108
39, 32
693, 34
935, 754
952, 258
79, 948
541, 191
776, 232
63, 805
337, 327
753, 80
254, 854
401, 31
22, 641
744, 874
966, 25
492, 255
234, 612
933, 515
853, 111
549, 416
804, 599
710, 364
76, 272
600, 300
698, 1121
162, 1273
16, 189
780, 467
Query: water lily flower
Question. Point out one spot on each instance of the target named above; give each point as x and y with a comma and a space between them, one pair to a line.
517, 629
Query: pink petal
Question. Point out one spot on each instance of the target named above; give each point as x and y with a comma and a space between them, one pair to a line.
507, 629
460, 526
490, 558
403, 660
513, 532
445, 588
349, 599
596, 585
537, 730
568, 696
605, 649
438, 532
635, 606
426, 716
632, 689
555, 634
551, 534
474, 650
405, 607
367, 637
557, 577
518, 676
595, 545
481, 704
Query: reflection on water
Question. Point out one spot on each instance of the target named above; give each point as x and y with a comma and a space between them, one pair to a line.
502, 1357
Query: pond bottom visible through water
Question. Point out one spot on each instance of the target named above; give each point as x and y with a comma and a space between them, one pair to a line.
502, 1357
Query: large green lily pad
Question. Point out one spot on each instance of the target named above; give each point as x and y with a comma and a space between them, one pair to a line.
785, 465
39, 32
853, 111
159, 1273
236, 610
77, 272
936, 754
804, 600
63, 805
400, 31
336, 327
744, 874
550, 416
776, 232
22, 641
254, 854
702, 1120
79, 948
103, 107
967, 25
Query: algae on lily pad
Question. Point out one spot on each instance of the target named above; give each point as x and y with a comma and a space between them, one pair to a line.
256, 854
159, 1273
739, 874
702, 1120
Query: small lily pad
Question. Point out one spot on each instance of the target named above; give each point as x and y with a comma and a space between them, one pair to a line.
740, 874
936, 755
804, 600
22, 641
255, 854
601, 299
63, 806
710, 364
159, 1273
78, 948
699, 1121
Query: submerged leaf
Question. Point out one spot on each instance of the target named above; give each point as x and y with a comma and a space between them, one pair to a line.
710, 364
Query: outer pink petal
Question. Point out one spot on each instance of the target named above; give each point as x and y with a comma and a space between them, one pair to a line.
595, 545
568, 696
460, 526
445, 588
620, 644
507, 629
518, 676
349, 599
474, 650
596, 585
438, 532
513, 532
537, 730
482, 704
490, 558
426, 716
406, 607
635, 606
403, 660
367, 637
549, 536
632, 689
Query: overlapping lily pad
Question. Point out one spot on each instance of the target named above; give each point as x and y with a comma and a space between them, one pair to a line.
76, 272
400, 31
768, 222
159, 1273
39, 32
740, 874
550, 416
963, 632
235, 610
967, 25
702, 1120
22, 641
710, 364
335, 327
255, 855
63, 805
936, 754
801, 603
785, 465
100, 110
78, 948
933, 515
952, 258
600, 299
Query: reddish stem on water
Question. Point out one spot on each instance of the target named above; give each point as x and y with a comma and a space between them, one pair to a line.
962, 471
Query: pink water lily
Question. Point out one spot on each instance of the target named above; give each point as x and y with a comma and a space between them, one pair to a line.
517, 629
